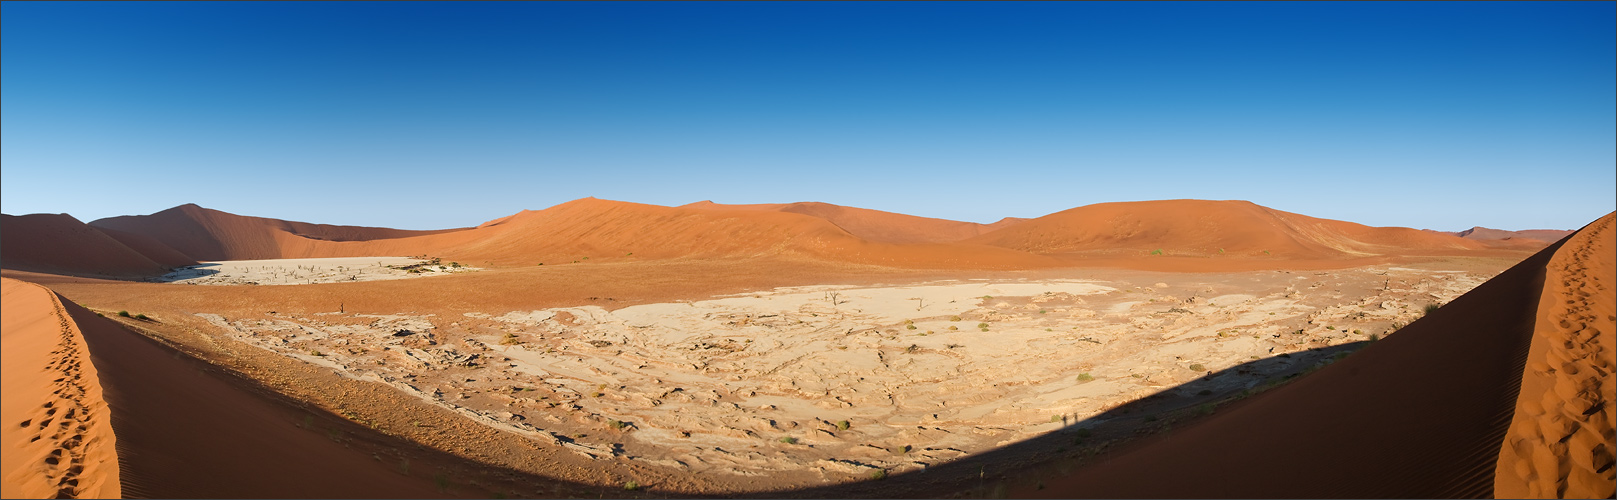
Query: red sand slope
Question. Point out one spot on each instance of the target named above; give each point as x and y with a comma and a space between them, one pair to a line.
150, 247
181, 430
205, 234
1560, 443
1207, 228
59, 243
876, 225
1420, 414
1106, 234
57, 435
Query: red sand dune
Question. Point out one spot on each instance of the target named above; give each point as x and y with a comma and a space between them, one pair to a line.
1560, 443
58, 439
1483, 233
1205, 228
876, 225
613, 230
150, 247
59, 243
205, 234
1420, 414
181, 430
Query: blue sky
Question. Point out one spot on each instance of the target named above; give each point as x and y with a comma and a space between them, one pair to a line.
430, 115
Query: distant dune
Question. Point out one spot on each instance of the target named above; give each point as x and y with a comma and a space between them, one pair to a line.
875, 225
59, 243
205, 234
1442, 393
603, 230
1529, 238
1205, 228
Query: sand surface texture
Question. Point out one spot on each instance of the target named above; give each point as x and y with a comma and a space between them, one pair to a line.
58, 437
1560, 443
838, 381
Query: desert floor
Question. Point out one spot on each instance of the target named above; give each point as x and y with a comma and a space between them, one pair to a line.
767, 377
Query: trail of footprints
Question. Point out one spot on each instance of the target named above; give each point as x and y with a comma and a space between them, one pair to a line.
1576, 416
64, 419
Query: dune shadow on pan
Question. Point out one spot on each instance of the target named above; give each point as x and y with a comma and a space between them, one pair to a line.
983, 474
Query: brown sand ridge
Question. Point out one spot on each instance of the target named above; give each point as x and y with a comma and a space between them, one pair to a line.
1419, 414
589, 229
58, 436
205, 234
59, 243
1560, 439
1206, 228
876, 225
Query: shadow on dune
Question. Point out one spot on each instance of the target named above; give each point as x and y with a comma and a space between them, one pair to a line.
1078, 442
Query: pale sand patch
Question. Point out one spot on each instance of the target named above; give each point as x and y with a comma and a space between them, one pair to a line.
309, 271
713, 385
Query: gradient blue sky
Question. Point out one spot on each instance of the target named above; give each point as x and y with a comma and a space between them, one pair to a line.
431, 115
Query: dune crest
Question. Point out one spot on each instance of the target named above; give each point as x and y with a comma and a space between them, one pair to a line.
1559, 442
58, 433
205, 234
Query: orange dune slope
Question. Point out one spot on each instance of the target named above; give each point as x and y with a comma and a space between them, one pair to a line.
615, 230
107, 413
1560, 443
205, 234
1203, 228
1423, 413
58, 440
875, 225
59, 243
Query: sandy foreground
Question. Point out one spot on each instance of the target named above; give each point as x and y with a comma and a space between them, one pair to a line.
831, 383
58, 436
310, 271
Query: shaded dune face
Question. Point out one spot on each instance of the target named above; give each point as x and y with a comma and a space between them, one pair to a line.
59, 243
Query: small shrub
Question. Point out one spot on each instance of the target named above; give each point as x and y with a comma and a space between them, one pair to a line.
314, 352
901, 450
631, 486
952, 327
1197, 367
878, 474
1330, 328
1041, 311
617, 424
100, 315
982, 326
954, 318
843, 425
1205, 409
1374, 337
509, 339
123, 314
1156, 252
912, 348
909, 327
788, 440
1432, 307
1085, 377
1055, 418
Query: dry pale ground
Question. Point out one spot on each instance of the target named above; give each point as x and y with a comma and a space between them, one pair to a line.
309, 271
758, 384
